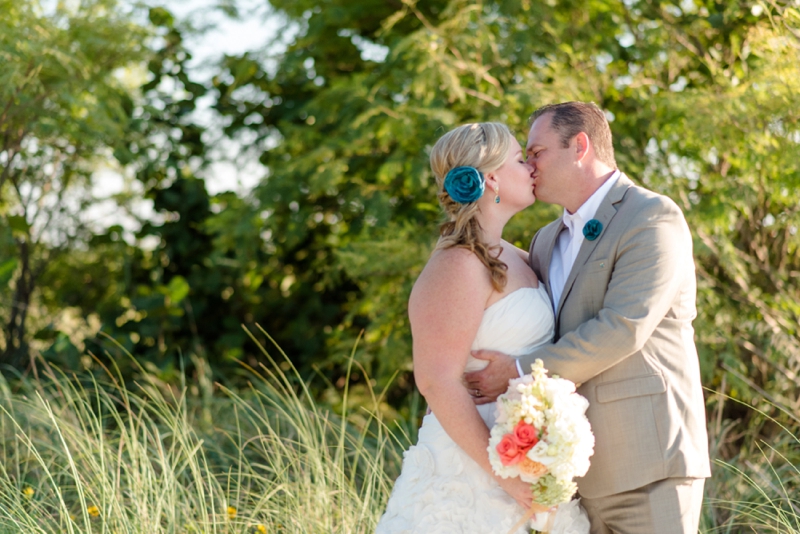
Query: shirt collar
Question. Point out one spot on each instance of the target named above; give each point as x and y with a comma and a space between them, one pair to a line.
589, 208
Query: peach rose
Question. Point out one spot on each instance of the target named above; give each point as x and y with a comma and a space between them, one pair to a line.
532, 468
509, 451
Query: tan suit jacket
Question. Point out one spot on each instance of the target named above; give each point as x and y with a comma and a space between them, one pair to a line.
624, 331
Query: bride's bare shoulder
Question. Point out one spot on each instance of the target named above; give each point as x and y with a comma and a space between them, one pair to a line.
515, 250
454, 257
454, 262
452, 274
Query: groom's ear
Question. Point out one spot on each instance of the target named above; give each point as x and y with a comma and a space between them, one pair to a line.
582, 145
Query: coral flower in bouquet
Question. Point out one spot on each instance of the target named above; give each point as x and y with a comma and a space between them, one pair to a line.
542, 435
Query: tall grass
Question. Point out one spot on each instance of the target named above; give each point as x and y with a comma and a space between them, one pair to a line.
85, 457
755, 483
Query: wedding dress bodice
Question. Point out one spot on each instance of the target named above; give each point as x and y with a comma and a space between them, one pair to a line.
514, 325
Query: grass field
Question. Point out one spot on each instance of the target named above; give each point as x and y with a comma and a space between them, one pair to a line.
83, 455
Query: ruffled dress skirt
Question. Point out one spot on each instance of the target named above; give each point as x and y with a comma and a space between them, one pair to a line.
441, 490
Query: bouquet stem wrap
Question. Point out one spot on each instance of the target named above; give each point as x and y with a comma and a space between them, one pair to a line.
522, 520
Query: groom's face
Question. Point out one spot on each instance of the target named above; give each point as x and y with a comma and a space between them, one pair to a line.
553, 165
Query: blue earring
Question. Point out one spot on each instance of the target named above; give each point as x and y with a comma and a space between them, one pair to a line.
496, 196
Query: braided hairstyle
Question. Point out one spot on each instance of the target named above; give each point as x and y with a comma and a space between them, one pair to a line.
484, 146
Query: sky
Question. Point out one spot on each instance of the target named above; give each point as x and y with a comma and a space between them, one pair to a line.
254, 30
228, 35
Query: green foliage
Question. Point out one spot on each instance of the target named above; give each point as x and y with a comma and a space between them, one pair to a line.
735, 172
62, 107
702, 97
156, 301
348, 114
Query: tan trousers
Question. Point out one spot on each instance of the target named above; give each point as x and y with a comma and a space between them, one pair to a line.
669, 506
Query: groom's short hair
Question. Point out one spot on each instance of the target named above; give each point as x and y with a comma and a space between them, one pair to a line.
571, 118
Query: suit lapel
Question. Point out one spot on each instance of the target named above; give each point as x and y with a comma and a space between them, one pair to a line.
604, 214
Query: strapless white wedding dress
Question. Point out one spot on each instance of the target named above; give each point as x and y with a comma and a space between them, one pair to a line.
441, 490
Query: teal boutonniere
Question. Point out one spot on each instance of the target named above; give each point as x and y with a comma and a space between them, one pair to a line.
592, 229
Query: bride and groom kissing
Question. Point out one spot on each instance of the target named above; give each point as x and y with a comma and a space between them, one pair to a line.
605, 297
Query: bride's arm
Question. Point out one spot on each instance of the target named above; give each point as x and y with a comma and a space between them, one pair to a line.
445, 310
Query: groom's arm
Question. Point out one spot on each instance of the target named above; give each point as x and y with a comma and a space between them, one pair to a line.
652, 259
651, 263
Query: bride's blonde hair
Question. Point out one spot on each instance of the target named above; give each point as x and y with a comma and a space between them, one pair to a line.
483, 145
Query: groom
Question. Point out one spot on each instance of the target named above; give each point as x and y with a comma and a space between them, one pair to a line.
619, 269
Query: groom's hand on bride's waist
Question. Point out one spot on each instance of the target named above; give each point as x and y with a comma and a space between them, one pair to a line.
487, 384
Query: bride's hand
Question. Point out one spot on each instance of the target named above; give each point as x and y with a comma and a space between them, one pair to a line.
521, 492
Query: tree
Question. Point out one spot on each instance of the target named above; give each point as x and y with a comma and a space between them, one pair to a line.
363, 91
729, 155
63, 109
701, 97
181, 302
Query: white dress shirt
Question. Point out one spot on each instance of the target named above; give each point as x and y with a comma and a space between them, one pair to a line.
569, 243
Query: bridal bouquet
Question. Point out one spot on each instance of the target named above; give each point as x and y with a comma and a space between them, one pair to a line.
542, 435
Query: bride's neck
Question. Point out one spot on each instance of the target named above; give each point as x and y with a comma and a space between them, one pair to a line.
492, 230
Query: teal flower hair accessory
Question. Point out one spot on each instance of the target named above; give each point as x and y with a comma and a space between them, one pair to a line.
592, 229
464, 184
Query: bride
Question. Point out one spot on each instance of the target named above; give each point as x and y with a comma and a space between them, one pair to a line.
476, 292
